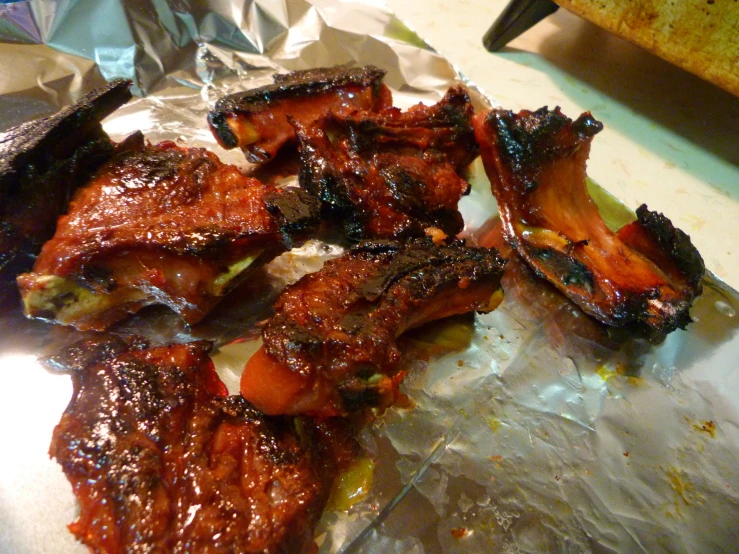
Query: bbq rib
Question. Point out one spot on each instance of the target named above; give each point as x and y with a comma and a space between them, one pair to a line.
256, 120
330, 348
648, 271
161, 460
159, 224
42, 162
391, 174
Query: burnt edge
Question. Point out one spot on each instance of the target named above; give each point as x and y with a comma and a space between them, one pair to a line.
530, 139
42, 162
414, 255
28, 143
675, 243
308, 81
297, 83
299, 211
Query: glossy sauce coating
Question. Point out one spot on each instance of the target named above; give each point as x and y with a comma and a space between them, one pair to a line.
160, 197
161, 460
261, 134
392, 174
257, 121
331, 346
159, 224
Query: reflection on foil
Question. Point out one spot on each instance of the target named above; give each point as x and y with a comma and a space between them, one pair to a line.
19, 21
530, 429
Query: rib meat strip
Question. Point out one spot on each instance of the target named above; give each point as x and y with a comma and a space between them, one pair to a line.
162, 460
330, 347
649, 271
257, 120
159, 224
391, 174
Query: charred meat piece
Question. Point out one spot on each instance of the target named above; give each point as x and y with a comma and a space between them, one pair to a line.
162, 460
42, 162
257, 120
392, 174
330, 348
159, 225
649, 271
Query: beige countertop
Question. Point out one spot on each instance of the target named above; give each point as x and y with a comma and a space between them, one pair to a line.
671, 140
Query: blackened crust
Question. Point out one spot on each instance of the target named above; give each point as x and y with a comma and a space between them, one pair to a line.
445, 263
297, 83
31, 143
217, 122
528, 140
675, 243
298, 211
42, 163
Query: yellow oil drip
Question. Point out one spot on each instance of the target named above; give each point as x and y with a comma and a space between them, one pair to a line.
353, 485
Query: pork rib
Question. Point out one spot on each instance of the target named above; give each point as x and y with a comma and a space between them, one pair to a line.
391, 174
256, 120
159, 224
649, 271
330, 348
161, 460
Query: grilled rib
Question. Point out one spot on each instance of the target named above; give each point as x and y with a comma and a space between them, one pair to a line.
256, 120
42, 162
161, 460
647, 272
391, 174
159, 225
330, 348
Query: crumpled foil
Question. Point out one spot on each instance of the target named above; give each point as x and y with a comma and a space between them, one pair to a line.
529, 429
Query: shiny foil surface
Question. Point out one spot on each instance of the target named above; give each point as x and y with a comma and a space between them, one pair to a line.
529, 429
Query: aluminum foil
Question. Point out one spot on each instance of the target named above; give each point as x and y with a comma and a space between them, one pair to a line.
529, 429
